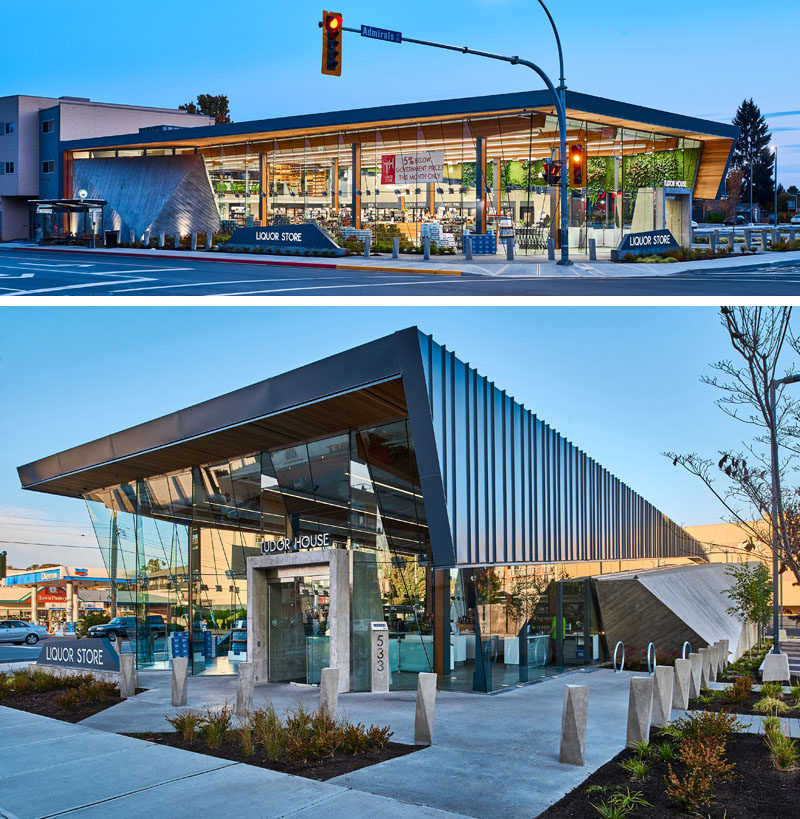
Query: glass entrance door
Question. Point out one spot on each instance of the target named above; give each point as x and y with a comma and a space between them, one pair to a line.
298, 639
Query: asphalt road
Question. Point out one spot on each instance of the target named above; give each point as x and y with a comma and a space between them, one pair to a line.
74, 274
9, 653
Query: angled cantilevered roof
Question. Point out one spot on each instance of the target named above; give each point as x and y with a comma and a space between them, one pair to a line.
499, 484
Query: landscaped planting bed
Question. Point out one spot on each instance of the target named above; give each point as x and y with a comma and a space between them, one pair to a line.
699, 766
740, 698
306, 743
67, 698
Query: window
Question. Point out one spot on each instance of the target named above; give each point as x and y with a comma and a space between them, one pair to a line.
7, 128
7, 167
48, 166
48, 126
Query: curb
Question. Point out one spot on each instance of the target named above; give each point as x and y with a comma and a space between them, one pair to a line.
226, 257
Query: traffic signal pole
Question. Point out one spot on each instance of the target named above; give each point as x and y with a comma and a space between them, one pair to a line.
558, 103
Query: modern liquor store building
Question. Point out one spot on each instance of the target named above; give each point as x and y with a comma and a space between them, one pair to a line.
391, 482
457, 165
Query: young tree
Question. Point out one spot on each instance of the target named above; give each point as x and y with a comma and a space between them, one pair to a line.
752, 146
750, 592
733, 185
210, 105
742, 478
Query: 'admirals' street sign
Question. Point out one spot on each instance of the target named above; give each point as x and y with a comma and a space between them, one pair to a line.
384, 34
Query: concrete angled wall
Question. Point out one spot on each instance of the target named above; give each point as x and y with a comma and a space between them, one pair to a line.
667, 607
172, 194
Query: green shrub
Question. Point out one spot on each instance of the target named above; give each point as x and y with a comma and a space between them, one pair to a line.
246, 742
740, 690
794, 693
771, 705
665, 751
771, 724
186, 724
216, 726
772, 689
354, 739
378, 736
621, 804
68, 699
782, 750
635, 766
268, 732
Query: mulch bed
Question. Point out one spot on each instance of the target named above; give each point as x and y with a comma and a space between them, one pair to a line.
340, 764
756, 789
720, 704
43, 703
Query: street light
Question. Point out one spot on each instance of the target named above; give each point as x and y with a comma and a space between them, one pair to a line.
774, 149
749, 164
776, 491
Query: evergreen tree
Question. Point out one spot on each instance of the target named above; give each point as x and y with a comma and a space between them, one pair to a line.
212, 105
753, 146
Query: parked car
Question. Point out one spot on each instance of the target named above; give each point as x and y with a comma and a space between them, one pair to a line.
795, 220
124, 628
20, 631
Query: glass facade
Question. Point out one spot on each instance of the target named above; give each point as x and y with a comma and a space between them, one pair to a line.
483, 577
476, 170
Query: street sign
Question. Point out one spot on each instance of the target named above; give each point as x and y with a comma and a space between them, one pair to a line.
384, 34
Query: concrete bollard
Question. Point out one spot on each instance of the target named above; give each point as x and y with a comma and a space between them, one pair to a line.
367, 245
509, 250
725, 656
245, 677
663, 681
640, 707
468, 247
194, 241
792, 234
426, 248
697, 672
705, 667
127, 676
718, 649
426, 700
396, 247
714, 241
329, 692
131, 237
680, 684
776, 237
551, 250
574, 713
712, 663
147, 238
209, 240
592, 250
748, 239
775, 668
162, 239
177, 241
379, 643
180, 674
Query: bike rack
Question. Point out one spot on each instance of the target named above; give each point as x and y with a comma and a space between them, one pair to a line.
616, 649
651, 667
683, 650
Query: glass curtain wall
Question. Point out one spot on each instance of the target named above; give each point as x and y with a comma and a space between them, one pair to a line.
177, 546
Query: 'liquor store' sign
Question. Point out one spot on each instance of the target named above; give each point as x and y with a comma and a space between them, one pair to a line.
89, 655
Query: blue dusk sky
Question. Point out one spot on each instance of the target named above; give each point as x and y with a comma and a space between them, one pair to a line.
698, 58
621, 383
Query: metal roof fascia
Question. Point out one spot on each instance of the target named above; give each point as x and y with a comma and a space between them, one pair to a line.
368, 364
417, 110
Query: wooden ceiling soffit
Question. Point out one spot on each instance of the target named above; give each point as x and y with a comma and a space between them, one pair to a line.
713, 161
371, 406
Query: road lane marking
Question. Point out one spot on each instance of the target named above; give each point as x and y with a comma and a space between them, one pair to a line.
56, 264
23, 276
230, 281
343, 286
74, 287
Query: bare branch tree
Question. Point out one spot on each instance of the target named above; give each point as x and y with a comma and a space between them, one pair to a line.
742, 478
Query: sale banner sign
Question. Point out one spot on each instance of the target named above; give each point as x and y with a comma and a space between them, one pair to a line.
408, 169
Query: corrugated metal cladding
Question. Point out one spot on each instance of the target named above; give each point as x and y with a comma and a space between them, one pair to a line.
518, 492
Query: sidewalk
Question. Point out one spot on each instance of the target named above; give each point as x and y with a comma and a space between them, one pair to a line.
533, 266
492, 756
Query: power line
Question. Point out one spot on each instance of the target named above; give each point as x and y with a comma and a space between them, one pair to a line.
54, 545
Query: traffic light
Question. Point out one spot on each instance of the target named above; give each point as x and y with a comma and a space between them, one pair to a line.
552, 172
331, 43
2, 565
577, 167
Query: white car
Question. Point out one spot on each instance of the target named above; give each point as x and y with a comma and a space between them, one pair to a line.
795, 220
20, 631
